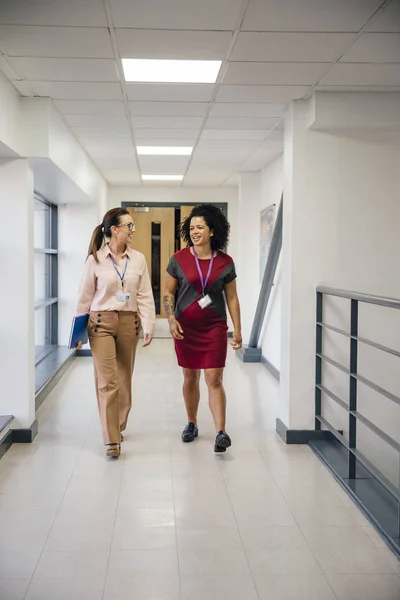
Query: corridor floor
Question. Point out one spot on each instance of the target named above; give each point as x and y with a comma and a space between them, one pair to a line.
173, 521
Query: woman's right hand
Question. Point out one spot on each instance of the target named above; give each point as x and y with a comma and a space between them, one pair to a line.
79, 346
176, 329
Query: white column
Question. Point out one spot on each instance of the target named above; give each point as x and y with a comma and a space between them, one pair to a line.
17, 364
248, 248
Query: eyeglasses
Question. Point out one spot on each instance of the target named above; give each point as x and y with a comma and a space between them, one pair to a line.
130, 226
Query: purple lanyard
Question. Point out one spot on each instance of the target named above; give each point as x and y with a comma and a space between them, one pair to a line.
202, 280
116, 268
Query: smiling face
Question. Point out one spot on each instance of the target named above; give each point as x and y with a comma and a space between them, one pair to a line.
124, 231
200, 233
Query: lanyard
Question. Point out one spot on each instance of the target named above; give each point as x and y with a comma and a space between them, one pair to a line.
202, 280
116, 268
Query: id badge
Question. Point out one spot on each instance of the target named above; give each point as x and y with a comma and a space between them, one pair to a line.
123, 296
205, 301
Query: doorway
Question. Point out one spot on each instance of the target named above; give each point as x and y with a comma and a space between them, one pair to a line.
157, 237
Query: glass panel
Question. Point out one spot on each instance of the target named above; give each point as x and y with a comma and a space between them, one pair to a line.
42, 224
42, 277
155, 263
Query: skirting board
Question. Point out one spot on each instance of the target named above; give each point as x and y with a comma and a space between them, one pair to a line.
25, 436
300, 436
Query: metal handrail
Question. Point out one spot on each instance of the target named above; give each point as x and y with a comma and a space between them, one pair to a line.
368, 298
354, 378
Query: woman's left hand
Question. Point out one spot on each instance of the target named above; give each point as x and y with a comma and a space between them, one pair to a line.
147, 337
237, 340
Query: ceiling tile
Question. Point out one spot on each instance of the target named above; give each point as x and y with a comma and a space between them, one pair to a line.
97, 120
250, 109
363, 74
240, 123
262, 156
260, 93
90, 107
24, 88
186, 45
169, 134
358, 88
309, 15
290, 47
163, 165
374, 48
81, 13
65, 69
166, 109
262, 73
101, 131
167, 122
77, 91
55, 42
176, 14
223, 144
107, 147
121, 176
228, 134
205, 177
165, 92
387, 19
214, 156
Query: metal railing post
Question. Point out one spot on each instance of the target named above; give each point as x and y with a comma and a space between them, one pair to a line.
318, 361
353, 388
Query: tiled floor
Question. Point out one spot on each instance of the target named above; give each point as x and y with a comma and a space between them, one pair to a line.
170, 521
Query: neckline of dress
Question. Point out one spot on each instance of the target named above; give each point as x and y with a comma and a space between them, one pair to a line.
192, 254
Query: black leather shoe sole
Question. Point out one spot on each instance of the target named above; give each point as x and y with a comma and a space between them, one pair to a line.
189, 437
223, 443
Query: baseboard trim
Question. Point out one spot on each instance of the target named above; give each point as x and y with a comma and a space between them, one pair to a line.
47, 387
270, 367
25, 436
300, 436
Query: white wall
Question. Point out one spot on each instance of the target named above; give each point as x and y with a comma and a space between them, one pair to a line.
341, 216
17, 364
271, 193
10, 115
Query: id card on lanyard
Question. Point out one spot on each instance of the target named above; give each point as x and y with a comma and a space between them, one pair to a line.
205, 300
121, 296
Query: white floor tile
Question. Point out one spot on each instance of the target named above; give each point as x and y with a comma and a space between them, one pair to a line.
175, 521
65, 589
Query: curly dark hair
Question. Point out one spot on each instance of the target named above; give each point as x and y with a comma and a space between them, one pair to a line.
216, 221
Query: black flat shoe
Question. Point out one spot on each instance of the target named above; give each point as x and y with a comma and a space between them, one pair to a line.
189, 433
222, 442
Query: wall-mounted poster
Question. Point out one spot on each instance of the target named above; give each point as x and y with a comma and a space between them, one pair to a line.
266, 229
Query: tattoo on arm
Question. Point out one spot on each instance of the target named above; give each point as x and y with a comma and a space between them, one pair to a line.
169, 308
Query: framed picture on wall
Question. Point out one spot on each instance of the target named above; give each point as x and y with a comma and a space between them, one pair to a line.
266, 229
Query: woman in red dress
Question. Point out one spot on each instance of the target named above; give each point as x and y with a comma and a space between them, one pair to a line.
202, 280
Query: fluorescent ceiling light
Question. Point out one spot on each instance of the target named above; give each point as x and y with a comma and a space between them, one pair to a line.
162, 177
171, 71
165, 150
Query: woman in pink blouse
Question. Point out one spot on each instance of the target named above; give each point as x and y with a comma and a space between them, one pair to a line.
116, 292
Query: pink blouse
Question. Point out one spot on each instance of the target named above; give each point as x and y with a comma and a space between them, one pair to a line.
101, 284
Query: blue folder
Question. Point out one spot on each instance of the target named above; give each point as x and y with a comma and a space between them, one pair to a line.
78, 331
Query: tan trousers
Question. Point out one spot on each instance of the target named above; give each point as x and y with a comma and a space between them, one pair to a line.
113, 338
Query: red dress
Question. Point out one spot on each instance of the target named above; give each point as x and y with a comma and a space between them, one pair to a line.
205, 330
